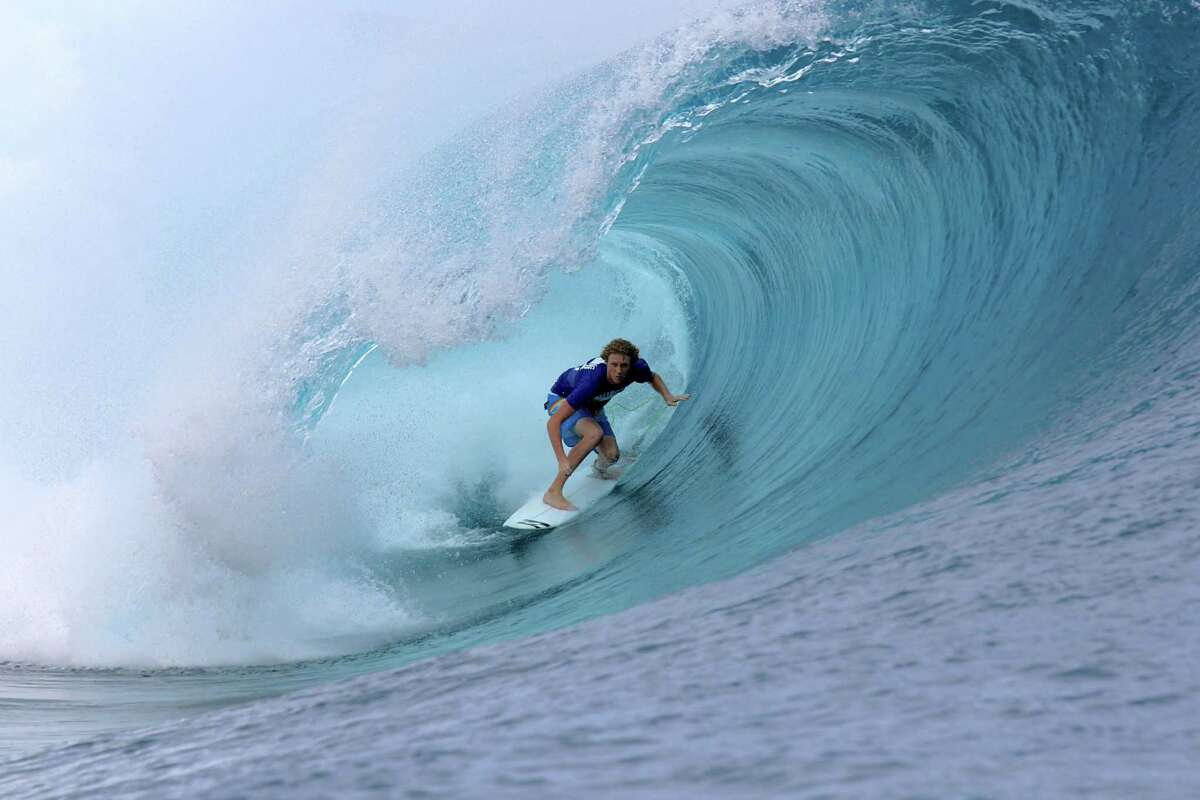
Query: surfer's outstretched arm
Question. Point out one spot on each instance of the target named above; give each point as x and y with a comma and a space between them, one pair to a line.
660, 386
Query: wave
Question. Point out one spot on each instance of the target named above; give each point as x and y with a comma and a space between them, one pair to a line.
885, 250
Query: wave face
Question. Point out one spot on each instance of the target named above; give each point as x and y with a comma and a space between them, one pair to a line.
894, 254
912, 247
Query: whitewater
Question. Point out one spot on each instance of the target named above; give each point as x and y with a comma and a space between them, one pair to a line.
283, 290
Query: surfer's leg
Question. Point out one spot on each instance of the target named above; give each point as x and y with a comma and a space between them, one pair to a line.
589, 434
607, 453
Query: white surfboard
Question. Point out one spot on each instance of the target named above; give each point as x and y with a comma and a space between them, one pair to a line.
583, 489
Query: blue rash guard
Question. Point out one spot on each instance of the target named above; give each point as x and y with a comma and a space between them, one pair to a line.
586, 388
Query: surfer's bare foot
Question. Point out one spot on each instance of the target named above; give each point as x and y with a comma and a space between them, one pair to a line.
556, 500
606, 473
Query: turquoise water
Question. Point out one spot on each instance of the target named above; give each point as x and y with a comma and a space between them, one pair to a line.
926, 527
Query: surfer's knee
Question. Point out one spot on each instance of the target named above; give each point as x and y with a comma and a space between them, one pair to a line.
590, 432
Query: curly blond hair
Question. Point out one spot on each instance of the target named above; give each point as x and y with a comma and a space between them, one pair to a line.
622, 346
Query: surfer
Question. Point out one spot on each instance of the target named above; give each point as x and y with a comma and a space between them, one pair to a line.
576, 408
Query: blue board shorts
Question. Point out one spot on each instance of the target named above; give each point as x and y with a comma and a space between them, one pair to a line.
567, 431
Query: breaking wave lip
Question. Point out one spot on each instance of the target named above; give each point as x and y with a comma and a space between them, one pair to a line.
885, 251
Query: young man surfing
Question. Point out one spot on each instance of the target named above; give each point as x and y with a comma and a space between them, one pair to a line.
576, 408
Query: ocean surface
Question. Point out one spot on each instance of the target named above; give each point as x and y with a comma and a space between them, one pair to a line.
928, 527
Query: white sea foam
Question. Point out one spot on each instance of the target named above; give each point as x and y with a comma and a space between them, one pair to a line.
176, 292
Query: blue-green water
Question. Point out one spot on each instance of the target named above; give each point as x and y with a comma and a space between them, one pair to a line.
927, 526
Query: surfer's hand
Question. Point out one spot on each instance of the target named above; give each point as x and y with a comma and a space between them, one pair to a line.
676, 399
564, 466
